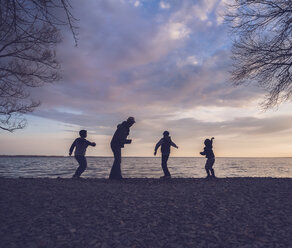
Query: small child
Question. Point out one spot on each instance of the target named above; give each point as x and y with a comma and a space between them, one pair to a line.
80, 145
165, 144
208, 152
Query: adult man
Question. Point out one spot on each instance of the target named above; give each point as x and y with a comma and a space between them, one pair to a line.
117, 143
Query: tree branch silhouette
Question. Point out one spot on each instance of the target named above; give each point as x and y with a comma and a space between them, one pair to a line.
29, 33
262, 47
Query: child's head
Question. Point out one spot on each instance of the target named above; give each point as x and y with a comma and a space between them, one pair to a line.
83, 133
207, 142
165, 133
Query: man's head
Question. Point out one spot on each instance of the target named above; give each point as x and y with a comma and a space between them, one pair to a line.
130, 121
83, 133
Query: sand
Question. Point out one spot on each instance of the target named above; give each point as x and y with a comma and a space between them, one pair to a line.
229, 212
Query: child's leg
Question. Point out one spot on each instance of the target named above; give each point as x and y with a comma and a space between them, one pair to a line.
207, 168
164, 159
82, 165
211, 167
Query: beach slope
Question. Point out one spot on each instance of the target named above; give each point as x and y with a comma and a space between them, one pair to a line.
229, 212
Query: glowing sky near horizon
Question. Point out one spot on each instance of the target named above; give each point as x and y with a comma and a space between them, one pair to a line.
167, 64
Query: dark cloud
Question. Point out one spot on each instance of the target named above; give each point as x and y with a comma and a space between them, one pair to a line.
188, 131
150, 66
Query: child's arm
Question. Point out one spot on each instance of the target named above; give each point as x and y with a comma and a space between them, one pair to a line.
91, 143
72, 147
174, 145
204, 152
157, 146
212, 140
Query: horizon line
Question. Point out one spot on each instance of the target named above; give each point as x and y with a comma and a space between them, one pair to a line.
101, 156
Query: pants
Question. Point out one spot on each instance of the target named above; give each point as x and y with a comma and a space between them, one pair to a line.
116, 168
209, 166
164, 159
82, 165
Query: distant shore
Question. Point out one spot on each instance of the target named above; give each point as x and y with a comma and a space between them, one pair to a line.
110, 156
226, 212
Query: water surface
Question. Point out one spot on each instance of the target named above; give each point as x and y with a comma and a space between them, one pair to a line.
144, 167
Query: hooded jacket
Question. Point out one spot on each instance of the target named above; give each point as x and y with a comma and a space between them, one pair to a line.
120, 135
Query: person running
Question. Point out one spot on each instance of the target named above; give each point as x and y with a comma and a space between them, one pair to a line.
80, 145
208, 152
117, 143
165, 144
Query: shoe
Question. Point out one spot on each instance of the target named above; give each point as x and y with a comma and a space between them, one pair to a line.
116, 178
165, 177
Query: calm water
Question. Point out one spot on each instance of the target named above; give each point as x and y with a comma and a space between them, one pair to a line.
99, 167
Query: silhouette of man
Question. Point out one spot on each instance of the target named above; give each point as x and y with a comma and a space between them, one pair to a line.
208, 152
80, 145
165, 144
117, 143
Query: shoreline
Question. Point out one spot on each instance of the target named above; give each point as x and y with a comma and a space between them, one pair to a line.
146, 212
110, 156
137, 179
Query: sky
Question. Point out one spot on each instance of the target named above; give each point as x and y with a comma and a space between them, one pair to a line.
166, 63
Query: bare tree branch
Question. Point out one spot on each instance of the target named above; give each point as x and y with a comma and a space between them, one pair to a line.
262, 47
29, 33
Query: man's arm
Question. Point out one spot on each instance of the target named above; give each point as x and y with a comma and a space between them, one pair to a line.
72, 147
128, 141
123, 133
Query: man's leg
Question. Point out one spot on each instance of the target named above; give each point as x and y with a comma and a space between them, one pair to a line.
116, 168
164, 159
82, 165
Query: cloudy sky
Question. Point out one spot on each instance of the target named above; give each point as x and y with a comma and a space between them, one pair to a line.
167, 64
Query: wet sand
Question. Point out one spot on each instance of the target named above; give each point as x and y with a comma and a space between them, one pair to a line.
229, 212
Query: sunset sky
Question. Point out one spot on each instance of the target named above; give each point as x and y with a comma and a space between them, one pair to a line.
167, 64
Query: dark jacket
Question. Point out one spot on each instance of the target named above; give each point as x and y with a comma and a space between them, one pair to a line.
80, 145
165, 144
208, 150
120, 135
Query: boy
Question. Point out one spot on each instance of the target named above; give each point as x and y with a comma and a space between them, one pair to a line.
80, 145
208, 152
165, 144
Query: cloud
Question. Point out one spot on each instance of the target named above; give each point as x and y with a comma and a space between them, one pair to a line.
165, 62
137, 3
152, 65
164, 5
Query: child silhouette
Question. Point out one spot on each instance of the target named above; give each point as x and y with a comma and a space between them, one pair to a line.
165, 144
208, 152
80, 145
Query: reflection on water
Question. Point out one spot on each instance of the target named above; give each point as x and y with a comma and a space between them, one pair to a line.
99, 167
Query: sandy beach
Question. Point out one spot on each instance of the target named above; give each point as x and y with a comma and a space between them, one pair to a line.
229, 212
